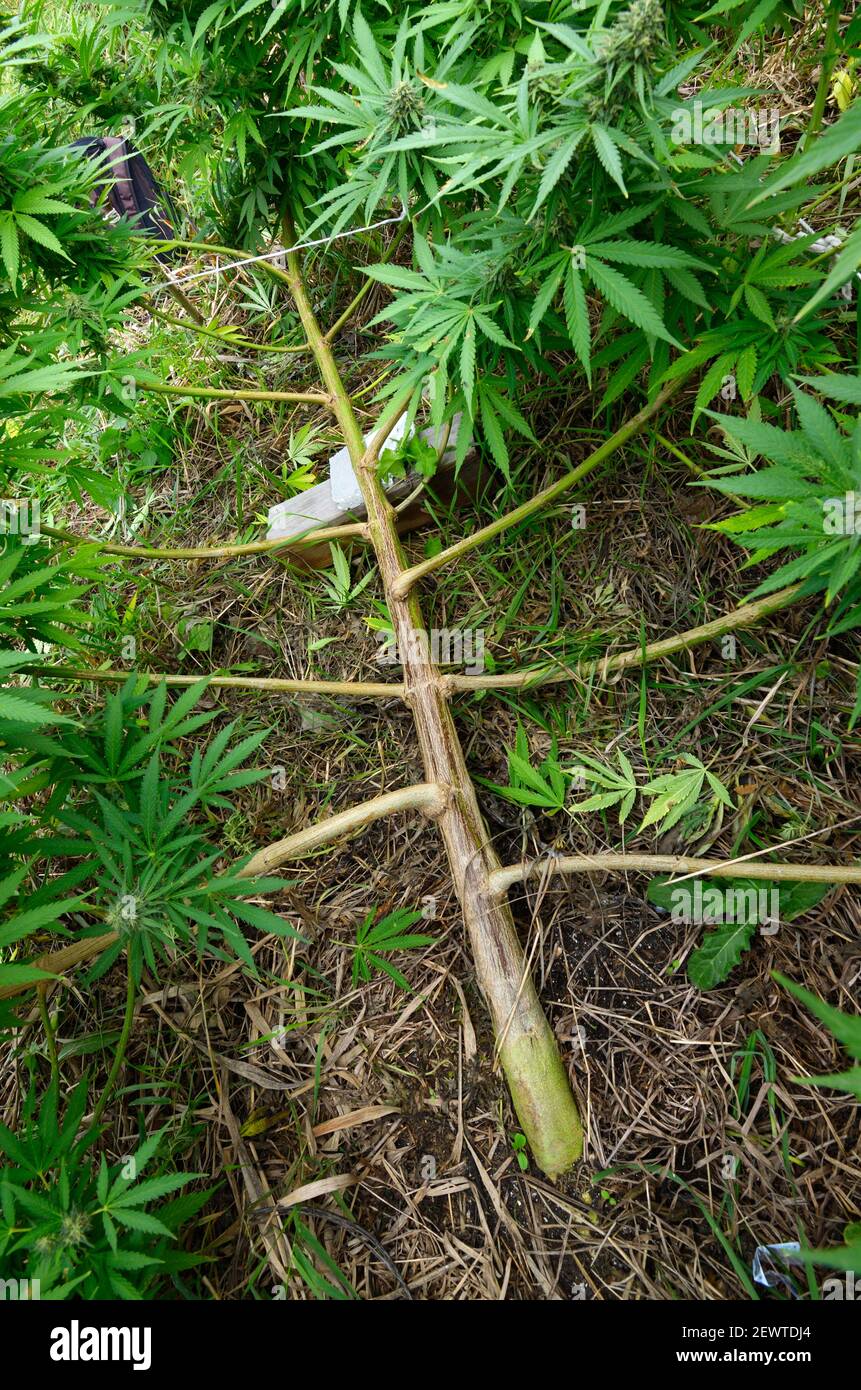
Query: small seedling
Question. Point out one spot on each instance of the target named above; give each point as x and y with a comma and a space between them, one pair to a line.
389, 933
340, 589
545, 787
518, 1143
413, 454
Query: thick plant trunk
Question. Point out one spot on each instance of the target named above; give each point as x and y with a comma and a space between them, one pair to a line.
526, 1046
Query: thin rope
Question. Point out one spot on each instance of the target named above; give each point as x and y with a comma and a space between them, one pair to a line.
286, 250
829, 242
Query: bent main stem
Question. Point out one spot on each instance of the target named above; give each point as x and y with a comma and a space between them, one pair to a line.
527, 1048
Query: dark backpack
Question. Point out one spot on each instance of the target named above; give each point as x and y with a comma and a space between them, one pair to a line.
132, 188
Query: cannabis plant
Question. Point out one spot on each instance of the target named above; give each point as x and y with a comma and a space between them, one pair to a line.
554, 226
805, 500
846, 1029
73, 1225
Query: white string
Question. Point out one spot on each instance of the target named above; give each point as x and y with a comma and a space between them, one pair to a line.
831, 242
285, 250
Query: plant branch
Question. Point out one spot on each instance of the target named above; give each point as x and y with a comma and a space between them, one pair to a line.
354, 303
215, 249
745, 616
543, 499
184, 302
57, 962
230, 550
216, 393
243, 345
502, 879
50, 1036
122, 1044
65, 958
826, 67
424, 796
359, 690
527, 1046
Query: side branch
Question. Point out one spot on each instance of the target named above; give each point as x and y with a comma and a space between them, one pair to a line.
216, 393
238, 345
66, 958
502, 879
269, 268
408, 578
358, 690
745, 616
351, 531
424, 796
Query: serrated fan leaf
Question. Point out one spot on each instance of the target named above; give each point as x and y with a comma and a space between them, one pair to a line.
37, 231
845, 1027
820, 429
544, 297
150, 1190
745, 371
627, 299
577, 318
26, 710
397, 277
644, 253
759, 306
598, 802
674, 794
608, 153
526, 773
141, 1221
263, 919
492, 431
849, 1081
839, 140
9, 247
555, 168
23, 975
36, 200
711, 385
25, 923
467, 365
836, 388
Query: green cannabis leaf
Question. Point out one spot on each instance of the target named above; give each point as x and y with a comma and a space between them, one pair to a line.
615, 788
377, 936
544, 787
804, 500
675, 794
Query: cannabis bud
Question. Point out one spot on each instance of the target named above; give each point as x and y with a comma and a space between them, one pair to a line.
405, 106
73, 1228
123, 915
636, 34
